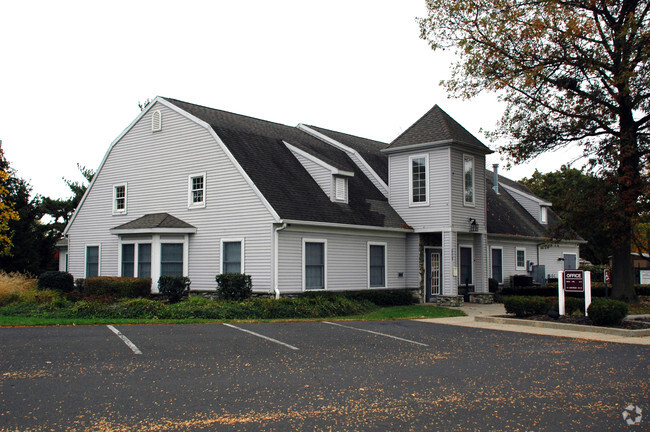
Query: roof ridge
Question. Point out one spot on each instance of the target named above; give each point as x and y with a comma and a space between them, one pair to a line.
348, 134
407, 129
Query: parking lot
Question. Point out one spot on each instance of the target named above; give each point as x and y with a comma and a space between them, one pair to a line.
336, 376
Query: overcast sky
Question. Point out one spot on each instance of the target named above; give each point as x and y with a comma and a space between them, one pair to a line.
72, 73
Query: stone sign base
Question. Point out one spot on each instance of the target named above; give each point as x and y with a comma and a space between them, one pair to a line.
481, 298
453, 301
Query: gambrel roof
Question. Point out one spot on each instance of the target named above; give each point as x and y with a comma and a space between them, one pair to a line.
259, 147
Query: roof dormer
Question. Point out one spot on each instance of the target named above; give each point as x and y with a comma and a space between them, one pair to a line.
332, 180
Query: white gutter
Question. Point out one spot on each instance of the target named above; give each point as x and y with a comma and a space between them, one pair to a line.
276, 263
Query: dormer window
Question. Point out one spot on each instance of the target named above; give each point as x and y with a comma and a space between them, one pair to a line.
544, 214
156, 121
340, 189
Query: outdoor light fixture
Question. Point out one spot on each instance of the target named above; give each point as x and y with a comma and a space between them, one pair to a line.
473, 226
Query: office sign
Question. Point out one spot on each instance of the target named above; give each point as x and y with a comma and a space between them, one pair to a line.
574, 281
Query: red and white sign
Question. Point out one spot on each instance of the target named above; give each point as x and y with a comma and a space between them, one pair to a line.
607, 277
574, 281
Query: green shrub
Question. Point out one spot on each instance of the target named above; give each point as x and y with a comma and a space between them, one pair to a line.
550, 290
378, 297
174, 287
119, 287
138, 308
573, 305
527, 306
234, 286
607, 312
56, 280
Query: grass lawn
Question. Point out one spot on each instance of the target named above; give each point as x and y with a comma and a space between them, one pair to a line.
384, 313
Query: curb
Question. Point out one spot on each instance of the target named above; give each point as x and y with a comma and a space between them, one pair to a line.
562, 326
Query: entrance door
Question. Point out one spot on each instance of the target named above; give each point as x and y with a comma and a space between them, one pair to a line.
433, 273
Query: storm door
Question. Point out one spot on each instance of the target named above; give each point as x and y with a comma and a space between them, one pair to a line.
433, 273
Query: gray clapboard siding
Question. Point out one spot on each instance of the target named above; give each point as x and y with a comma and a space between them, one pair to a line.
412, 261
358, 160
460, 212
449, 261
437, 215
549, 256
156, 166
347, 259
531, 206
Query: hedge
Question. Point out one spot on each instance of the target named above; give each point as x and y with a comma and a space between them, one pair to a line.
174, 287
550, 290
56, 280
119, 287
523, 306
234, 286
607, 312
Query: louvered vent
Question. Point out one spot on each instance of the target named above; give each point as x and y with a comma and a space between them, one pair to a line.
156, 121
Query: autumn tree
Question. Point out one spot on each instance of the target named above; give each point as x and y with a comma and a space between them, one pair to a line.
571, 72
7, 211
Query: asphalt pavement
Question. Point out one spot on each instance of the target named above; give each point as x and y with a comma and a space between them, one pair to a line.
341, 376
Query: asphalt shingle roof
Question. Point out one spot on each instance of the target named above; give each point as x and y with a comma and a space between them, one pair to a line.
436, 126
259, 148
154, 220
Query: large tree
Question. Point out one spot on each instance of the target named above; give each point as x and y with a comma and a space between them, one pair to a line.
570, 73
7, 211
579, 198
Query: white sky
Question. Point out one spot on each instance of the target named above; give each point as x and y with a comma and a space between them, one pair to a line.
72, 73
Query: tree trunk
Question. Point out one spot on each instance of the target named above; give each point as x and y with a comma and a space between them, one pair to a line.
623, 274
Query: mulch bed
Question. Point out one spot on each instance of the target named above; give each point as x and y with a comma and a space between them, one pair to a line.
583, 320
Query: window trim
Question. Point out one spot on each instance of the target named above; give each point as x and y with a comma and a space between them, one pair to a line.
426, 180
543, 216
517, 266
117, 211
190, 203
473, 202
240, 240
164, 241
471, 264
99, 258
492, 264
385, 245
303, 269
136, 256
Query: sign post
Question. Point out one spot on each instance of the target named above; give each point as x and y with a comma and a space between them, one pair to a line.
573, 281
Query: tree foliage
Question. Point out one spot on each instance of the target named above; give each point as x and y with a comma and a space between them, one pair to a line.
570, 72
7, 211
580, 199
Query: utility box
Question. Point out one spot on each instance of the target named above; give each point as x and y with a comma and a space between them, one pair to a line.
539, 274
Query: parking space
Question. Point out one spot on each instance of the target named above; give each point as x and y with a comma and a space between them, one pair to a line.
313, 375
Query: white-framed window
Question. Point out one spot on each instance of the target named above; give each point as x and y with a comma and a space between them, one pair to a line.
119, 198
520, 258
570, 261
171, 259
135, 259
419, 180
196, 185
377, 268
156, 121
340, 189
497, 264
232, 256
93, 261
314, 259
466, 261
468, 180
544, 214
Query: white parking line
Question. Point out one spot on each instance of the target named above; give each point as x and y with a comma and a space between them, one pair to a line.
262, 336
125, 339
375, 333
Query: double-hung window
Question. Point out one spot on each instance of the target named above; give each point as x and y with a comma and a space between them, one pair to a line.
520, 259
377, 265
128, 260
419, 180
171, 259
92, 261
119, 199
232, 256
466, 266
468, 180
144, 260
314, 260
196, 190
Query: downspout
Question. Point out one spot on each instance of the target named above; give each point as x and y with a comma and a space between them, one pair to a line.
276, 264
